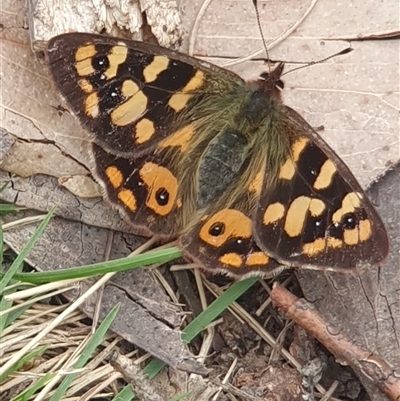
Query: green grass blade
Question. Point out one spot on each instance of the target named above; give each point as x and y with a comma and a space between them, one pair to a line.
29, 392
198, 324
1, 245
146, 259
205, 318
126, 394
4, 319
6, 277
94, 342
4, 186
26, 358
153, 368
7, 208
8, 319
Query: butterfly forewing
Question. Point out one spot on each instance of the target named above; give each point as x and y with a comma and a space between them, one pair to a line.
316, 214
129, 95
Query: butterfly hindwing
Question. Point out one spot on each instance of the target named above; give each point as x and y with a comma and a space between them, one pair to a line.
145, 190
222, 241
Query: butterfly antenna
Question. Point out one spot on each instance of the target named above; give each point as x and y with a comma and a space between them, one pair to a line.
255, 3
344, 51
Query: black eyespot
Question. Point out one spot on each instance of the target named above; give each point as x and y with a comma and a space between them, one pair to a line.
162, 196
217, 229
349, 221
100, 63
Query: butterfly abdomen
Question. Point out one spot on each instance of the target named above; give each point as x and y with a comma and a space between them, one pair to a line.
220, 163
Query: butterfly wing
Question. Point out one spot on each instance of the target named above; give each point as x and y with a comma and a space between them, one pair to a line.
144, 189
130, 95
316, 214
309, 212
145, 108
222, 241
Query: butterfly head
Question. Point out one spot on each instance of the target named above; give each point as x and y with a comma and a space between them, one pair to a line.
271, 81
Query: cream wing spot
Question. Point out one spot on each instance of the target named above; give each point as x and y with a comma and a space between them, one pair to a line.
83, 60
288, 170
224, 225
116, 57
298, 148
296, 216
85, 52
325, 176
85, 85
257, 259
365, 230
334, 242
84, 67
350, 203
162, 188
178, 101
274, 213
316, 207
92, 105
129, 88
314, 248
232, 260
129, 111
127, 198
114, 176
144, 130
351, 237
155, 68
196, 82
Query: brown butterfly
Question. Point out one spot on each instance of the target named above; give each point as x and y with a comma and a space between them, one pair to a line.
188, 149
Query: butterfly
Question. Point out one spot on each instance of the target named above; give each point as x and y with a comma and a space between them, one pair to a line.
188, 150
